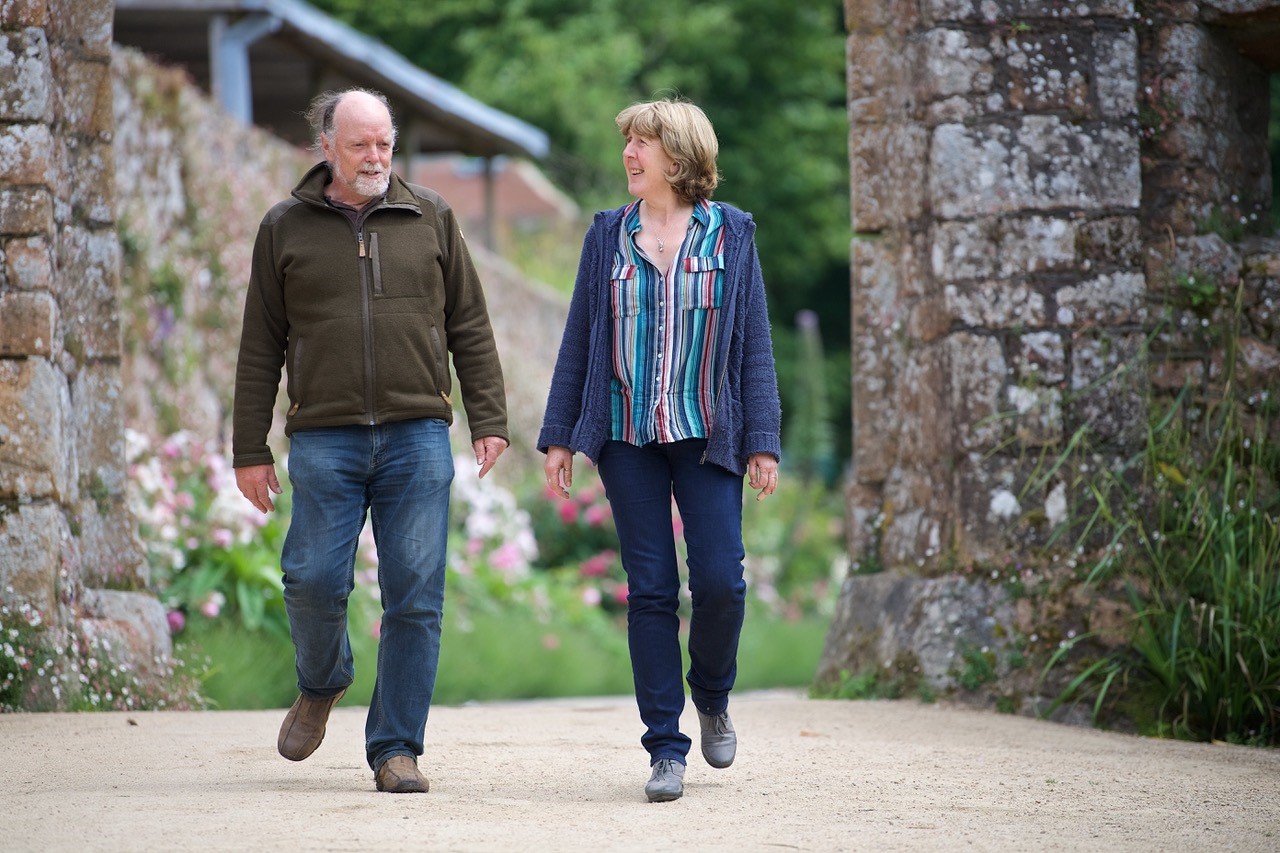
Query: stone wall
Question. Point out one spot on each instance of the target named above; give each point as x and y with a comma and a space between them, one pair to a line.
70, 563
1032, 180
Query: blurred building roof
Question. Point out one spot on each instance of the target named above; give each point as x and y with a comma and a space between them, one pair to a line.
265, 59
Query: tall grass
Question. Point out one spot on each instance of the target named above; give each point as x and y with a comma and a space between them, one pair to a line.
1192, 532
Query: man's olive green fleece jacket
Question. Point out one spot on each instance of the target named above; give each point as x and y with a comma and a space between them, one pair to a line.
363, 319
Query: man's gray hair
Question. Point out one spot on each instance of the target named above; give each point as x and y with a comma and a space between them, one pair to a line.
325, 104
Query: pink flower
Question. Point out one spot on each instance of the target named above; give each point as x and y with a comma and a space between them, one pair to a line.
677, 525
176, 621
184, 500
507, 557
375, 630
213, 605
597, 514
591, 596
568, 512
550, 642
474, 546
222, 537
620, 593
596, 565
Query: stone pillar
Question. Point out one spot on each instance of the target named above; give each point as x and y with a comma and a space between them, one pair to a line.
68, 550
997, 275
1031, 179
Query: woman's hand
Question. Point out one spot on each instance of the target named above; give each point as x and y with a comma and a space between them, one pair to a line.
559, 470
762, 468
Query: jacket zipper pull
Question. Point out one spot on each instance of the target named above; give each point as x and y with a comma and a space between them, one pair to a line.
360, 237
445, 397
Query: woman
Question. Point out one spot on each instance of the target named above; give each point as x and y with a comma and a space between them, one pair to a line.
665, 379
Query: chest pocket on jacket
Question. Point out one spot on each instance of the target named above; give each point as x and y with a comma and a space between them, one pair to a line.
702, 282
624, 290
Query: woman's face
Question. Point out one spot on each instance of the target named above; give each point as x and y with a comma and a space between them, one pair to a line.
647, 165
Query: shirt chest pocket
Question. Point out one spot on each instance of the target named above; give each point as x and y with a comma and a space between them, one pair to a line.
701, 283
624, 290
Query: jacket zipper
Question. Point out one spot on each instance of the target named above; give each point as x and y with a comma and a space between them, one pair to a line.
367, 321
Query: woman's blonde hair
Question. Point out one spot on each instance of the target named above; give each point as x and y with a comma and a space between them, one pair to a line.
685, 133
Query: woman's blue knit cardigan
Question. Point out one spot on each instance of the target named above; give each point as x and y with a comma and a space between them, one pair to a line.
748, 415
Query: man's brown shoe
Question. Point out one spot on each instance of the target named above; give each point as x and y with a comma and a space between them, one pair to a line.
303, 726
399, 775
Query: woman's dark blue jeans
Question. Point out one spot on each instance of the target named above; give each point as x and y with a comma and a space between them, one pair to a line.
640, 482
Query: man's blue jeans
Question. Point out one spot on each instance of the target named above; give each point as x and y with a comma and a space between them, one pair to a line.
399, 474
639, 482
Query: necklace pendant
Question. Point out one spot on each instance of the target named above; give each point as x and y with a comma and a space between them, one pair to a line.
661, 246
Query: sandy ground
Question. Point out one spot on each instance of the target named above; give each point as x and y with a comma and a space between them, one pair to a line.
569, 775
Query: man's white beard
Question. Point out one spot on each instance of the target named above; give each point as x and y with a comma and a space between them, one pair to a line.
370, 186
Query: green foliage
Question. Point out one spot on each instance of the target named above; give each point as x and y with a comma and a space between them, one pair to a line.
1193, 536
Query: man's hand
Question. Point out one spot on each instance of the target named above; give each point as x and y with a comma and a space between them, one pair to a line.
559, 470
488, 450
256, 483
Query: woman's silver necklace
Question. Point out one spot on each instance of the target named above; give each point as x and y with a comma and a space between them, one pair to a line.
662, 247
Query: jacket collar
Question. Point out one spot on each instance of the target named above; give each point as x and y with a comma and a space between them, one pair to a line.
311, 190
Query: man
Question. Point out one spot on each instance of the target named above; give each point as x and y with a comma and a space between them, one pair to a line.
361, 285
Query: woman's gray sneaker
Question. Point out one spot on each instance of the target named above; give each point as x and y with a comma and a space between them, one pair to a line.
719, 740
667, 781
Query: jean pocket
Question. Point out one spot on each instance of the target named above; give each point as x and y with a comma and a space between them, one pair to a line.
701, 283
624, 290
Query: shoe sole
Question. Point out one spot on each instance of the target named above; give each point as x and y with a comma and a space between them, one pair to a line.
663, 797
717, 765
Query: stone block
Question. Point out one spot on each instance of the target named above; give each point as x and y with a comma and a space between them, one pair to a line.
955, 62
1109, 380
876, 360
1115, 73
878, 284
1049, 70
1037, 415
962, 251
84, 96
24, 75
133, 625
1174, 374
25, 210
93, 191
870, 16
82, 25
1018, 11
1041, 358
1040, 163
978, 375
27, 324
90, 261
1109, 242
1036, 244
35, 432
25, 152
995, 304
110, 553
99, 421
28, 264
924, 424
1107, 300
916, 517
34, 539
886, 182
16, 14
890, 620
880, 73
863, 520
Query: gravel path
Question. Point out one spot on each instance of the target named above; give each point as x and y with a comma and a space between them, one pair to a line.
569, 775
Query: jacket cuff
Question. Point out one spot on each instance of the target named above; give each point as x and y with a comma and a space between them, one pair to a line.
762, 442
